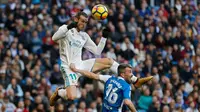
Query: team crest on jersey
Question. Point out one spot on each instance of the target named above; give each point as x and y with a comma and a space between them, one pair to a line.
72, 32
70, 43
82, 37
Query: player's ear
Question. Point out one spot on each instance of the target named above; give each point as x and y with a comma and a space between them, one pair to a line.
122, 74
76, 19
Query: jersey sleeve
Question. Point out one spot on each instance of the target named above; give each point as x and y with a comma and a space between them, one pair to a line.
92, 47
60, 33
127, 92
104, 78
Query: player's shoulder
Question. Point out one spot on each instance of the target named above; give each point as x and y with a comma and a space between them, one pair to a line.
110, 78
84, 34
113, 77
124, 83
64, 26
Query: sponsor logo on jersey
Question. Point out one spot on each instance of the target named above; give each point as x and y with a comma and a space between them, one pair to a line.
75, 43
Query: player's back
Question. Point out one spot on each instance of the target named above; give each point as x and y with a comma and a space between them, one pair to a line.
114, 94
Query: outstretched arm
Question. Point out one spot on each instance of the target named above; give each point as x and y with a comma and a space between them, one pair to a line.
91, 46
88, 74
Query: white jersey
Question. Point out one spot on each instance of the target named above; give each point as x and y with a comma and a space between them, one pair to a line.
71, 42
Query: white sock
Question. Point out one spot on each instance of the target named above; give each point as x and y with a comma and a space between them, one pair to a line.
133, 79
62, 93
114, 67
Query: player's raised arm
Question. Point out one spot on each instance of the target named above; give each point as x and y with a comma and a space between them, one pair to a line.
91, 46
61, 33
88, 74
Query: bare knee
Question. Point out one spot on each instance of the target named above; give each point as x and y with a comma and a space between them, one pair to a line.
101, 64
71, 97
104, 61
71, 92
109, 61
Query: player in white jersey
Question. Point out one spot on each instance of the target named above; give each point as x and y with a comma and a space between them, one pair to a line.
72, 40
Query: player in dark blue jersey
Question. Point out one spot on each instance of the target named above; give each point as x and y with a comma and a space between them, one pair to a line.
117, 89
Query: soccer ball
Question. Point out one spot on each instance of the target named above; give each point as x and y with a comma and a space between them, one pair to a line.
99, 12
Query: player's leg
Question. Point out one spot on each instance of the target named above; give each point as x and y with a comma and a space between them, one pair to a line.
98, 64
71, 81
105, 63
68, 93
70, 90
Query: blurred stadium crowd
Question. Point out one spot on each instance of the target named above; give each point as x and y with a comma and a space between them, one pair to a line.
163, 41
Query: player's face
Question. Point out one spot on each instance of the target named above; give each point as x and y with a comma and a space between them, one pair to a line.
128, 74
82, 22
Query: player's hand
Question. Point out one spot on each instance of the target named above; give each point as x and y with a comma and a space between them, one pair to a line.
73, 68
106, 32
72, 25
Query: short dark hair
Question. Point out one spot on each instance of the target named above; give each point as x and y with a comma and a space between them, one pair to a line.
81, 13
121, 68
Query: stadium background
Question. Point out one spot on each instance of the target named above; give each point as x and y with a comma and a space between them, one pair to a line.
157, 37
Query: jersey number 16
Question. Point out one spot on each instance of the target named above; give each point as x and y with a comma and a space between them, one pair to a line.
111, 94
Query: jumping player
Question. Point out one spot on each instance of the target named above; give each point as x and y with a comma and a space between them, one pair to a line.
72, 40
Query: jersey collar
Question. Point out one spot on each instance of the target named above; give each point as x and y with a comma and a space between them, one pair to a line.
121, 77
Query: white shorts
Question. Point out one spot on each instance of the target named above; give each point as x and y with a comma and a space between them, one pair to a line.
70, 77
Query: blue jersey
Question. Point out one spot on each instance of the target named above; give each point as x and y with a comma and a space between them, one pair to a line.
116, 90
